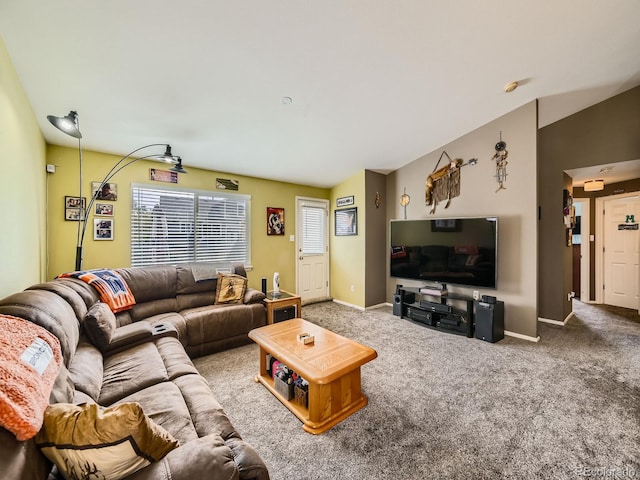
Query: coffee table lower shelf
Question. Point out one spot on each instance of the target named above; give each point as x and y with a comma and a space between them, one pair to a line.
331, 366
329, 404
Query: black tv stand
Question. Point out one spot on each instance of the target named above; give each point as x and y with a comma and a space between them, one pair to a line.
438, 311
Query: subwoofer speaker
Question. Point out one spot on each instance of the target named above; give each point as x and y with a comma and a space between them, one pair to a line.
490, 321
397, 305
409, 297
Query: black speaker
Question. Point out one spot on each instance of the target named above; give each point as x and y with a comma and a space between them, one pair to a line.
409, 297
488, 299
490, 321
397, 307
264, 286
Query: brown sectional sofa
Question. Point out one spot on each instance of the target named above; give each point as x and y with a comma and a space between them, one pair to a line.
147, 362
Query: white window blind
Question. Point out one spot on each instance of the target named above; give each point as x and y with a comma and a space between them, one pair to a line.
313, 234
171, 226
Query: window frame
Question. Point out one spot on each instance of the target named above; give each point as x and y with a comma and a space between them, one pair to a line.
196, 194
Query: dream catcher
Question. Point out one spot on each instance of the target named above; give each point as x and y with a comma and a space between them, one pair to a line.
501, 163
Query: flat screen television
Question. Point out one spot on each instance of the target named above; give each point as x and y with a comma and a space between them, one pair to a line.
460, 251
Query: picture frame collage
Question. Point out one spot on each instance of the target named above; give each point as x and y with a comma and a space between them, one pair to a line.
75, 209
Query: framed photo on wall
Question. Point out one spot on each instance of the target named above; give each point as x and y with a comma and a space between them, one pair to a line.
74, 208
275, 221
346, 222
104, 209
166, 176
103, 229
109, 191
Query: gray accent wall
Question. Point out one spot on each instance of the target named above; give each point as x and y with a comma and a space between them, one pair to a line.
515, 207
375, 225
601, 134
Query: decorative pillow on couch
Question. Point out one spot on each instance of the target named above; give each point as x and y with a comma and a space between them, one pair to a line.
30, 359
100, 324
230, 288
90, 441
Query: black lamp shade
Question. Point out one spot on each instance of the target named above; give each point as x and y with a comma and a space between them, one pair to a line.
167, 156
178, 167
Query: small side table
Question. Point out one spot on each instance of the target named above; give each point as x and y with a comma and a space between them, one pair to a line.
284, 306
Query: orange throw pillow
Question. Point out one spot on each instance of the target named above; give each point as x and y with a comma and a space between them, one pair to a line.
30, 359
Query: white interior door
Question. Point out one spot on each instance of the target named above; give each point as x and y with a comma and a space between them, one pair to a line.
312, 247
621, 244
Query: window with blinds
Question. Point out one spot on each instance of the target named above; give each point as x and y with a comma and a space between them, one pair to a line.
313, 234
171, 226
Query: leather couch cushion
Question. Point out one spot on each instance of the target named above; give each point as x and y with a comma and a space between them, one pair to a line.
165, 404
63, 389
186, 408
100, 325
150, 283
142, 311
66, 291
220, 321
144, 365
176, 361
89, 294
187, 283
86, 369
194, 300
130, 370
21, 460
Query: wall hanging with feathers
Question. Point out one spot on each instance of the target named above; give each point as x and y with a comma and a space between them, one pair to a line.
501, 163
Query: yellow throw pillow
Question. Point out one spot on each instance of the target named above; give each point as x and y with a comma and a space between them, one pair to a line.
230, 288
90, 441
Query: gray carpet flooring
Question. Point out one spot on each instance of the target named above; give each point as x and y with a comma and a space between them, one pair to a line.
443, 406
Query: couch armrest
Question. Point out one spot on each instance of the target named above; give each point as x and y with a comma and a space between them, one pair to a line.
249, 462
206, 457
129, 336
252, 295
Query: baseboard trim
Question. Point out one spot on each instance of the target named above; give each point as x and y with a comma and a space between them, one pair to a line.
556, 322
357, 307
522, 337
379, 305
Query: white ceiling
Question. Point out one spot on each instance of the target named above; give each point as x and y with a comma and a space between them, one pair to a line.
610, 172
374, 84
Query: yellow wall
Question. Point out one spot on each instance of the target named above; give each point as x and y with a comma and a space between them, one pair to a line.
348, 252
22, 186
268, 253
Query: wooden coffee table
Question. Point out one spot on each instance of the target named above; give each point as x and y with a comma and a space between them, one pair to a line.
331, 365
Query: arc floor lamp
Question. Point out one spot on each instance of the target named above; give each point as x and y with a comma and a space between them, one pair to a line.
70, 125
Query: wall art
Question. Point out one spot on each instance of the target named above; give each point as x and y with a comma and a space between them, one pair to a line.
344, 201
108, 191
103, 229
166, 176
74, 208
346, 222
104, 209
275, 221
